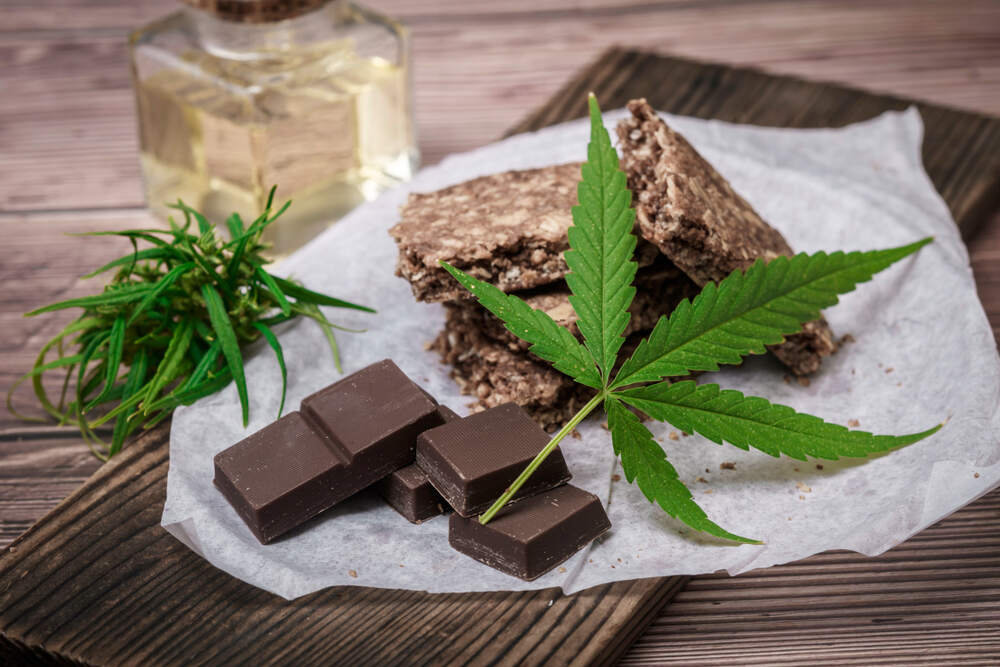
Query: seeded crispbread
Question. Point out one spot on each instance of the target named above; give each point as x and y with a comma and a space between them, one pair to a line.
508, 229
692, 214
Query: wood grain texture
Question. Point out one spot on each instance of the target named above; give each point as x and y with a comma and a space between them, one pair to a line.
101, 554
68, 132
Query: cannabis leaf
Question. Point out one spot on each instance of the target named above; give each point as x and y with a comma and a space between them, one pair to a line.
169, 327
601, 268
741, 315
748, 311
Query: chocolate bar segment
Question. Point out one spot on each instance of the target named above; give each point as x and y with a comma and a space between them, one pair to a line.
278, 477
345, 438
409, 491
692, 214
530, 538
472, 461
373, 417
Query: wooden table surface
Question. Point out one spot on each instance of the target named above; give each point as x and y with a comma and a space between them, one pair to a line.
68, 163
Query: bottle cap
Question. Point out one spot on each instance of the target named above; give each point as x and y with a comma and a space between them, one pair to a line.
256, 11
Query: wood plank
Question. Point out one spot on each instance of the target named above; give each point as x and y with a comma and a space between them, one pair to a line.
97, 553
41, 268
884, 607
102, 554
476, 75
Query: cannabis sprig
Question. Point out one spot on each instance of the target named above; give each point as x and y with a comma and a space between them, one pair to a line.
170, 326
726, 322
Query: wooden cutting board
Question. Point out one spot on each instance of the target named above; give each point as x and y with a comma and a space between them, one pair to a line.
98, 581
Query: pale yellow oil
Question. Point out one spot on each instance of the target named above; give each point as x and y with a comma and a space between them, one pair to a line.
329, 128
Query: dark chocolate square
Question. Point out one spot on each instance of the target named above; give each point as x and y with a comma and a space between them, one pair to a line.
409, 491
530, 538
277, 477
373, 417
472, 461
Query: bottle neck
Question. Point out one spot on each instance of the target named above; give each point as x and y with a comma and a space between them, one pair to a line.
247, 40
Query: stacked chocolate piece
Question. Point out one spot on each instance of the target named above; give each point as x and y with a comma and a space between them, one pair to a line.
510, 229
378, 428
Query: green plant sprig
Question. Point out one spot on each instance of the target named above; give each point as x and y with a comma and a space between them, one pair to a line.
171, 326
740, 316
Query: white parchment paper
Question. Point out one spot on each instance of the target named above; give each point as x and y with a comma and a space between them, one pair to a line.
923, 353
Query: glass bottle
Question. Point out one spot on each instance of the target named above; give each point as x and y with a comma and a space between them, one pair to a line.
235, 96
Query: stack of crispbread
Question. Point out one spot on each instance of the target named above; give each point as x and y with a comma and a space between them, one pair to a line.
509, 229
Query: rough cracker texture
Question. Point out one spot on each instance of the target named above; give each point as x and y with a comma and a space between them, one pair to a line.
691, 213
494, 374
659, 289
508, 229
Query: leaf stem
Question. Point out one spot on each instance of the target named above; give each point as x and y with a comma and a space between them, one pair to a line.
542, 455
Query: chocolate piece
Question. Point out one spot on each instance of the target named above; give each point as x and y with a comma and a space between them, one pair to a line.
346, 437
473, 460
277, 477
408, 490
508, 229
691, 213
530, 538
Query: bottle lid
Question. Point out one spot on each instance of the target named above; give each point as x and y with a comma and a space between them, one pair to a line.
256, 11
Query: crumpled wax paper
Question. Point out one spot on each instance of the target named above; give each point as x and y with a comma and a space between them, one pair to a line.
923, 353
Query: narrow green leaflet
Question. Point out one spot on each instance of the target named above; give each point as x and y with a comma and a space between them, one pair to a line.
297, 291
645, 464
160, 287
272, 340
279, 295
601, 247
133, 383
166, 370
230, 347
548, 340
750, 310
116, 343
111, 297
138, 256
726, 415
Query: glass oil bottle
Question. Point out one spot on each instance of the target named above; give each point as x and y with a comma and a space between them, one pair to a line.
235, 96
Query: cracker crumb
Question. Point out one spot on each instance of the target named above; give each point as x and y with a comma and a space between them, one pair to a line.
684, 435
428, 344
708, 490
619, 560
787, 378
562, 569
819, 466
789, 518
353, 573
803, 487
804, 381
846, 338
890, 369
673, 435
702, 480
616, 478
612, 567
853, 423
576, 434
802, 497
590, 560
976, 475
727, 465
401, 565
707, 470
899, 384
796, 469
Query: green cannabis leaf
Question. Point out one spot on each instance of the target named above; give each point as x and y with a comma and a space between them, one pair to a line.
170, 326
740, 316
